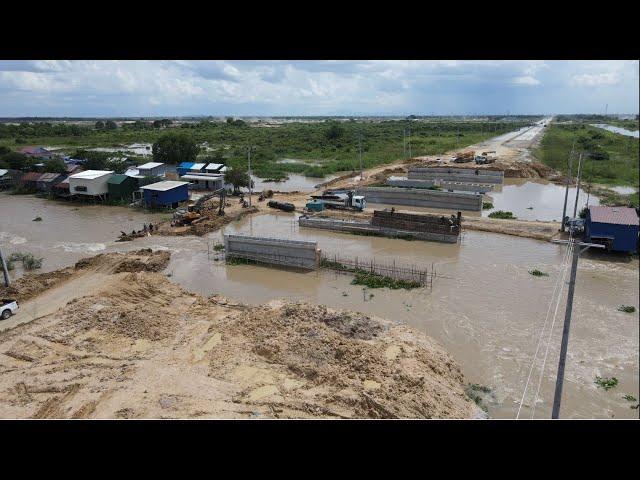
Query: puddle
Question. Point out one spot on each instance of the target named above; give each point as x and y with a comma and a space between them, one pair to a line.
624, 190
536, 199
295, 183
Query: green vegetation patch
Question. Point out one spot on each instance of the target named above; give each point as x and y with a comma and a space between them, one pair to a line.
608, 158
29, 261
503, 215
370, 279
487, 205
606, 382
626, 308
538, 273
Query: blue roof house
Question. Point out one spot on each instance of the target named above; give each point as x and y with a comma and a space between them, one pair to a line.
165, 194
184, 167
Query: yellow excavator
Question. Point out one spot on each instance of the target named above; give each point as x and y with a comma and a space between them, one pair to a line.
186, 216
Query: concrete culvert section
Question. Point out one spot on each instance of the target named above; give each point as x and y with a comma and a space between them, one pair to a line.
417, 197
273, 251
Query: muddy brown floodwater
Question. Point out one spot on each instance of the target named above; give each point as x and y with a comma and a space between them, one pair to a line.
486, 309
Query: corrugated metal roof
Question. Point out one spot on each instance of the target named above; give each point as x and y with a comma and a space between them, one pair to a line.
204, 178
197, 166
31, 177
91, 174
48, 177
3, 172
150, 165
164, 186
614, 215
186, 165
117, 179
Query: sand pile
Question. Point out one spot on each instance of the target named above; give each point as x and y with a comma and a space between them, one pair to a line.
142, 347
32, 284
144, 260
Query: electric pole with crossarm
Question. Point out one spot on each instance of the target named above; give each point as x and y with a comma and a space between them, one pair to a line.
578, 248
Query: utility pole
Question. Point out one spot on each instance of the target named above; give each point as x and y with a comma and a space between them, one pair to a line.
409, 143
566, 192
575, 205
360, 150
577, 250
5, 271
404, 143
250, 181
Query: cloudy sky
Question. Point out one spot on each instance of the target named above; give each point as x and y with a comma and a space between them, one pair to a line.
173, 88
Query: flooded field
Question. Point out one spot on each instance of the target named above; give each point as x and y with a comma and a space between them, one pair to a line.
295, 183
618, 130
536, 199
486, 309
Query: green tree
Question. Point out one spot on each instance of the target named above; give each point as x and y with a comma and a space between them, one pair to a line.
17, 161
334, 132
55, 165
110, 125
237, 178
99, 125
175, 147
229, 120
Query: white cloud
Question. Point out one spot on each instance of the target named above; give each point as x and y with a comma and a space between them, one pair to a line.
138, 88
526, 80
593, 80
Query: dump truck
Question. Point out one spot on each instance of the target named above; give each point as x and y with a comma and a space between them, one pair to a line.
464, 157
341, 200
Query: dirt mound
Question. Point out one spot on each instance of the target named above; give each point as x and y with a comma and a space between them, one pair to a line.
360, 366
33, 284
526, 170
125, 313
144, 260
144, 348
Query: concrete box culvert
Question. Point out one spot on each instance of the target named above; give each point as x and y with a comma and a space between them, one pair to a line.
273, 251
444, 185
416, 197
469, 175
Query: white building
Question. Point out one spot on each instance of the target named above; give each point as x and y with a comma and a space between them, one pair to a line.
92, 183
204, 181
152, 169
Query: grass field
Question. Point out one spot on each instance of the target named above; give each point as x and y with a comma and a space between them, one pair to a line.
616, 156
324, 148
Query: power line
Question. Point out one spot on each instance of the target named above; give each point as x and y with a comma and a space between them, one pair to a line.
563, 266
553, 323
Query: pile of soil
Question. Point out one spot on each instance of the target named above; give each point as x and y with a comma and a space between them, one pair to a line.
144, 260
143, 347
33, 284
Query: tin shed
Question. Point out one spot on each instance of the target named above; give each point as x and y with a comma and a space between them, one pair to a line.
121, 187
165, 194
614, 227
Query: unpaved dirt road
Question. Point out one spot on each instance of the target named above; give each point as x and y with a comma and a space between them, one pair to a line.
142, 347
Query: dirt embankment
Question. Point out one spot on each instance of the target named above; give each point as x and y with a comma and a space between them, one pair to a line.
519, 228
32, 284
144, 348
209, 221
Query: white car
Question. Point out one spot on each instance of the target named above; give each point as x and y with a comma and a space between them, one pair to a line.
8, 307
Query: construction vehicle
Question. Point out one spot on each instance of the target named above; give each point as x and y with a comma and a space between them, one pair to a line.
285, 206
347, 200
464, 157
188, 215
